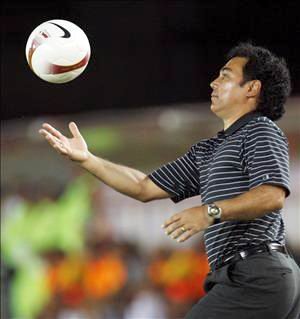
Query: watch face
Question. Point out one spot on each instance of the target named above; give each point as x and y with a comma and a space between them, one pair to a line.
213, 211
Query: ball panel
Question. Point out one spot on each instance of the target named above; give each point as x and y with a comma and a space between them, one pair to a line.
62, 77
57, 69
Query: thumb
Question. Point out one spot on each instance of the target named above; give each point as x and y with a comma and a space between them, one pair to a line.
74, 129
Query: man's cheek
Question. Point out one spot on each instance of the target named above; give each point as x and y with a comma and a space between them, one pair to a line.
227, 92
225, 96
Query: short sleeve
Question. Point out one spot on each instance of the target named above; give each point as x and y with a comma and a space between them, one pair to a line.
266, 156
179, 178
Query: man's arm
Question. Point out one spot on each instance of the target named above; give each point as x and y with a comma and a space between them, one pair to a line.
253, 204
123, 179
247, 206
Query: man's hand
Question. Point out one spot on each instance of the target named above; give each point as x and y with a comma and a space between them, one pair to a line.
123, 179
74, 148
187, 223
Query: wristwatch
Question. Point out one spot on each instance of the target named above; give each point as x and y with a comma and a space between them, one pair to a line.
214, 211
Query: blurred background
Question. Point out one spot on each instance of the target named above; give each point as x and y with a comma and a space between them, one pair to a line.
70, 246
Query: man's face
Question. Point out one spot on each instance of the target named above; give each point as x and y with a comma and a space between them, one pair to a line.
228, 95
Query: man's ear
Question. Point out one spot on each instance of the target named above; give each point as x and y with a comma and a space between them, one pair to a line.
254, 88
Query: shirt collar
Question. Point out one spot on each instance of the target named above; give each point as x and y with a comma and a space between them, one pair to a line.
239, 123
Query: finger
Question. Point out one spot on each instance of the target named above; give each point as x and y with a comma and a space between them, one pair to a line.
48, 136
74, 129
179, 231
50, 139
43, 132
56, 143
186, 235
171, 220
173, 227
52, 130
60, 149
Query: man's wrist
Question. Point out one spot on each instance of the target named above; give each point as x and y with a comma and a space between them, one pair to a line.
210, 220
85, 163
215, 212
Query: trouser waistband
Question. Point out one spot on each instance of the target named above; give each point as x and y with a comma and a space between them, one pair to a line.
243, 254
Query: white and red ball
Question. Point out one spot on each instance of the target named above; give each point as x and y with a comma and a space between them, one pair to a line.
58, 51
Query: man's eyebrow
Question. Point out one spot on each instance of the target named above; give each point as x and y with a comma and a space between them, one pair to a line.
225, 68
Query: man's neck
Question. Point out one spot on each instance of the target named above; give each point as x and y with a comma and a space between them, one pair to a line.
233, 118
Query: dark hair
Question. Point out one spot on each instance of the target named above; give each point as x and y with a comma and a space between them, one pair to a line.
273, 73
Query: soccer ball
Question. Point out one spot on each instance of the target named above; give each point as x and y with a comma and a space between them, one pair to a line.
58, 51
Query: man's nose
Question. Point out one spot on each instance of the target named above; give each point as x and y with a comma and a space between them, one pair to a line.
213, 84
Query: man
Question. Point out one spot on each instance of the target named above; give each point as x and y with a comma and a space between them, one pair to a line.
242, 175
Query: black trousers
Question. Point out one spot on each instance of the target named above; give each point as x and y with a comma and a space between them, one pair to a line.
265, 285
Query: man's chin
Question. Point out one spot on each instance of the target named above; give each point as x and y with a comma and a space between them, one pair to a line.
213, 108
217, 110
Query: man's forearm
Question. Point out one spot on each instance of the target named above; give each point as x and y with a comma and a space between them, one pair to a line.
247, 206
121, 178
252, 204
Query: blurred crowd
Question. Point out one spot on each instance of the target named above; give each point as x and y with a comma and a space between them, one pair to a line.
59, 264
114, 281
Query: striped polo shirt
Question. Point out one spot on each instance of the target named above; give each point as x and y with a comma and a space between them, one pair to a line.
253, 151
